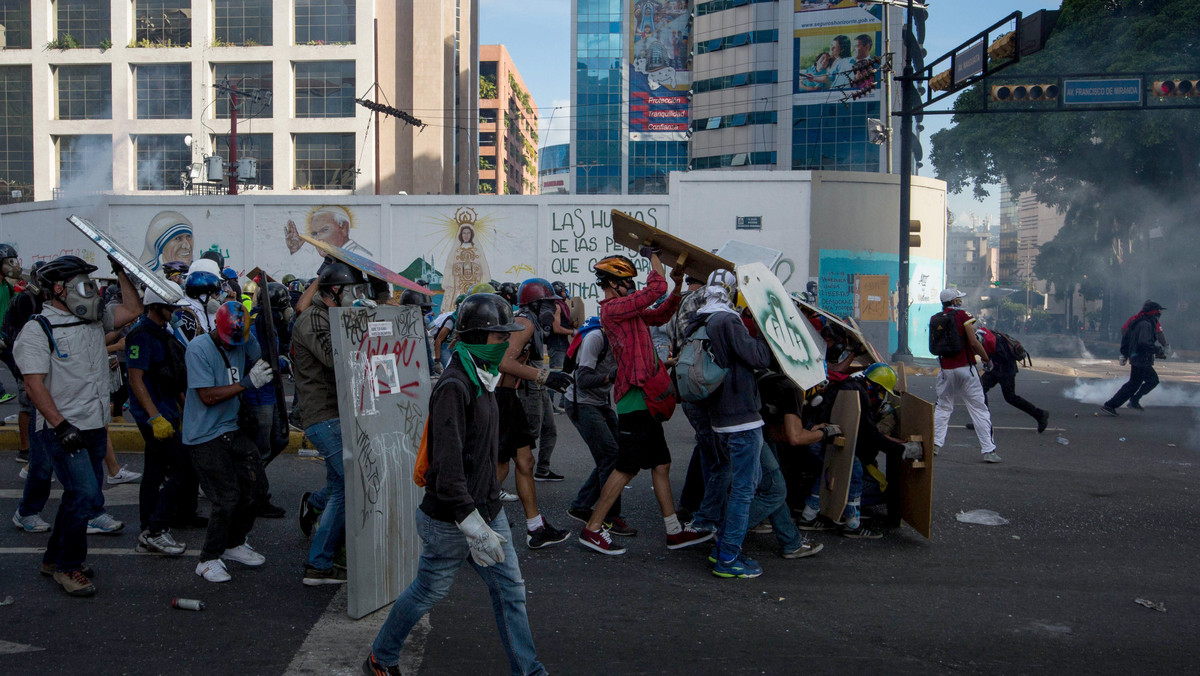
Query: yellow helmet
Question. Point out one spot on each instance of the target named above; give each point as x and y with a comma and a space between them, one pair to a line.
882, 375
615, 266
482, 287
250, 288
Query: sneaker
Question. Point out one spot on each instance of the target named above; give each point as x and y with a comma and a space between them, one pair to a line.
764, 527
687, 537
48, 570
75, 583
24, 473
580, 514
266, 510
547, 475
740, 567
7, 397
314, 577
1043, 420
160, 543
1108, 410
245, 555
618, 526
937, 450
818, 523
309, 515
505, 496
104, 524
33, 523
213, 570
861, 533
806, 548
372, 668
992, 457
1135, 405
546, 535
599, 541
123, 476
22, 457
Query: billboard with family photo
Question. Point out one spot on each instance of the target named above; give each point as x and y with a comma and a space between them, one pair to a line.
828, 44
659, 68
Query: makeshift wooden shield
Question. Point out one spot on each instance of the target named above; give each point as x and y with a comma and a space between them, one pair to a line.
383, 399
846, 329
367, 265
839, 456
788, 334
259, 275
916, 477
133, 266
696, 261
578, 312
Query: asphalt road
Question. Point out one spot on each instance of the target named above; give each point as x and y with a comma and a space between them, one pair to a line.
1094, 525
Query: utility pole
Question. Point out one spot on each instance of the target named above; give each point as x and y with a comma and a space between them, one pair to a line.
233, 172
907, 91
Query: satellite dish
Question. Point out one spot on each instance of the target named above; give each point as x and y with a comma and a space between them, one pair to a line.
187, 140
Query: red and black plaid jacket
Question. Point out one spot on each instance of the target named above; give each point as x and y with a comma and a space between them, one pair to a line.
626, 322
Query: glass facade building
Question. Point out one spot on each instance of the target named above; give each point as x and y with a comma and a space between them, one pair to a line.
597, 84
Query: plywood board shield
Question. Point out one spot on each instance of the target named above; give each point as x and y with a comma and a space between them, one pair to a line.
848, 328
634, 234
916, 483
839, 456
383, 399
788, 334
871, 298
367, 266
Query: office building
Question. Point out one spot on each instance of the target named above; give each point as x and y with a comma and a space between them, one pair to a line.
118, 95
968, 258
554, 169
508, 127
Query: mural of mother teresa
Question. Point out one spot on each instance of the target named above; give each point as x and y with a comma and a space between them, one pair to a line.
329, 224
168, 238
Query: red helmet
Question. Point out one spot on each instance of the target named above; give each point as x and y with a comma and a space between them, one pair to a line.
233, 323
535, 289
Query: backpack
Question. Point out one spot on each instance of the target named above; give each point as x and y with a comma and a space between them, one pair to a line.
169, 376
697, 376
570, 363
1014, 347
944, 337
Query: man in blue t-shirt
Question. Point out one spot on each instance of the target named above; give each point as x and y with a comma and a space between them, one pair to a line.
226, 461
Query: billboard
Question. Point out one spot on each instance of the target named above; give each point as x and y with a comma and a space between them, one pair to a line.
827, 47
659, 68
814, 5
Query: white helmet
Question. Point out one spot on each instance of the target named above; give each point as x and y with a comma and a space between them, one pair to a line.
152, 298
205, 265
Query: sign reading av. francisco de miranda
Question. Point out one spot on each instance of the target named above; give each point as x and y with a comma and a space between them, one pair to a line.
1080, 92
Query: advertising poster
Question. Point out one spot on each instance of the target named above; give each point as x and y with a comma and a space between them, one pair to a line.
660, 69
828, 45
814, 5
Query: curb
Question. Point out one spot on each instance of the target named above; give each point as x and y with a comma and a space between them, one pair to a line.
127, 439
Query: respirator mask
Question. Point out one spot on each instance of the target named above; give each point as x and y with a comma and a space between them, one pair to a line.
83, 298
351, 293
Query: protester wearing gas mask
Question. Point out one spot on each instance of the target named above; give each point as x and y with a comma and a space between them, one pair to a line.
63, 359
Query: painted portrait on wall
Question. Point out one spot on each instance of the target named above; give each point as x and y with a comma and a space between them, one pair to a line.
329, 224
168, 238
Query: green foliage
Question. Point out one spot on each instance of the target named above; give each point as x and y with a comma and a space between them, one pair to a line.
487, 87
486, 188
145, 43
521, 94
63, 41
485, 163
105, 44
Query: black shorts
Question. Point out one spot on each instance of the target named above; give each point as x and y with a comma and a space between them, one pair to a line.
514, 425
641, 443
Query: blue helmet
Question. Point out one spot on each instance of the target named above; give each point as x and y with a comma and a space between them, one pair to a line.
201, 283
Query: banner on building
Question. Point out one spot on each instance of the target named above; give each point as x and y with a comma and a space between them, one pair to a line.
827, 47
659, 68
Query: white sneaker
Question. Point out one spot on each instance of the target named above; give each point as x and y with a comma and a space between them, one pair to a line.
124, 476
213, 571
505, 496
245, 555
24, 473
104, 524
991, 457
30, 524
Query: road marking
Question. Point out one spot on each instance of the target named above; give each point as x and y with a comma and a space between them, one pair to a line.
121, 494
1048, 429
10, 648
93, 551
337, 645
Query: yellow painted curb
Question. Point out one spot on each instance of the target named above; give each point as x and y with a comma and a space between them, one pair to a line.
127, 439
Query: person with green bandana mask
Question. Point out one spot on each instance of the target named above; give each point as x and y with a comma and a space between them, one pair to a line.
460, 519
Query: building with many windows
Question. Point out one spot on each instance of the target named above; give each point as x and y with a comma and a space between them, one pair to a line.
119, 96
508, 127
554, 169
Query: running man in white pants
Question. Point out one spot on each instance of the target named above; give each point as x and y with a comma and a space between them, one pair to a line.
959, 378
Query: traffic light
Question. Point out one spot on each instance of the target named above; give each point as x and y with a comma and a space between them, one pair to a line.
1004, 46
914, 234
1177, 88
1022, 93
941, 82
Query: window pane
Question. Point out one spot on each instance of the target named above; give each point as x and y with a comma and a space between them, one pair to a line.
164, 91
324, 22
165, 23
84, 93
257, 146
325, 161
325, 89
85, 163
245, 77
160, 161
86, 21
242, 22
14, 17
16, 131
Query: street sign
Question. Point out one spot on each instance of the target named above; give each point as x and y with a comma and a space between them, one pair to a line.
749, 222
1084, 92
969, 61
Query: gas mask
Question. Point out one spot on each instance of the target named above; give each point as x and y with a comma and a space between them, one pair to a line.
83, 298
10, 269
212, 305
545, 315
288, 314
349, 294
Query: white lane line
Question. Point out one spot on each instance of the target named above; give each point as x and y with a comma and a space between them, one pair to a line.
96, 551
121, 494
337, 645
10, 648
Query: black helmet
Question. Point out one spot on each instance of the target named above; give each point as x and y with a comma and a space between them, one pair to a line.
338, 273
508, 291
1151, 306
62, 269
280, 298
380, 289
486, 312
7, 251
410, 297
560, 290
214, 256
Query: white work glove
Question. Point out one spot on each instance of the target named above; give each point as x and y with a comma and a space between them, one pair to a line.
913, 450
365, 302
830, 431
487, 546
261, 374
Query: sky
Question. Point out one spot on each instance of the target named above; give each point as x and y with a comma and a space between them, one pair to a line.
537, 34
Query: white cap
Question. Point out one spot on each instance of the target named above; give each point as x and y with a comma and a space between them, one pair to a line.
949, 295
204, 265
152, 298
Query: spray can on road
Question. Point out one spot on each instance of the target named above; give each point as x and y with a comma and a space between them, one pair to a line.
187, 604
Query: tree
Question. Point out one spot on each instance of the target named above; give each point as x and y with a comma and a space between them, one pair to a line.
487, 86
1126, 180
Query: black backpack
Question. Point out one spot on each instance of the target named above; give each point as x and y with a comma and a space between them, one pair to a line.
1014, 347
944, 337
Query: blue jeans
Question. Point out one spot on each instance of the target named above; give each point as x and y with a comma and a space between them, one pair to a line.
41, 468
598, 427
770, 501
331, 529
443, 552
745, 449
714, 465
850, 515
81, 474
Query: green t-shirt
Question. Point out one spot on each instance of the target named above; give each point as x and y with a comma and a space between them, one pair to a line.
633, 400
6, 296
